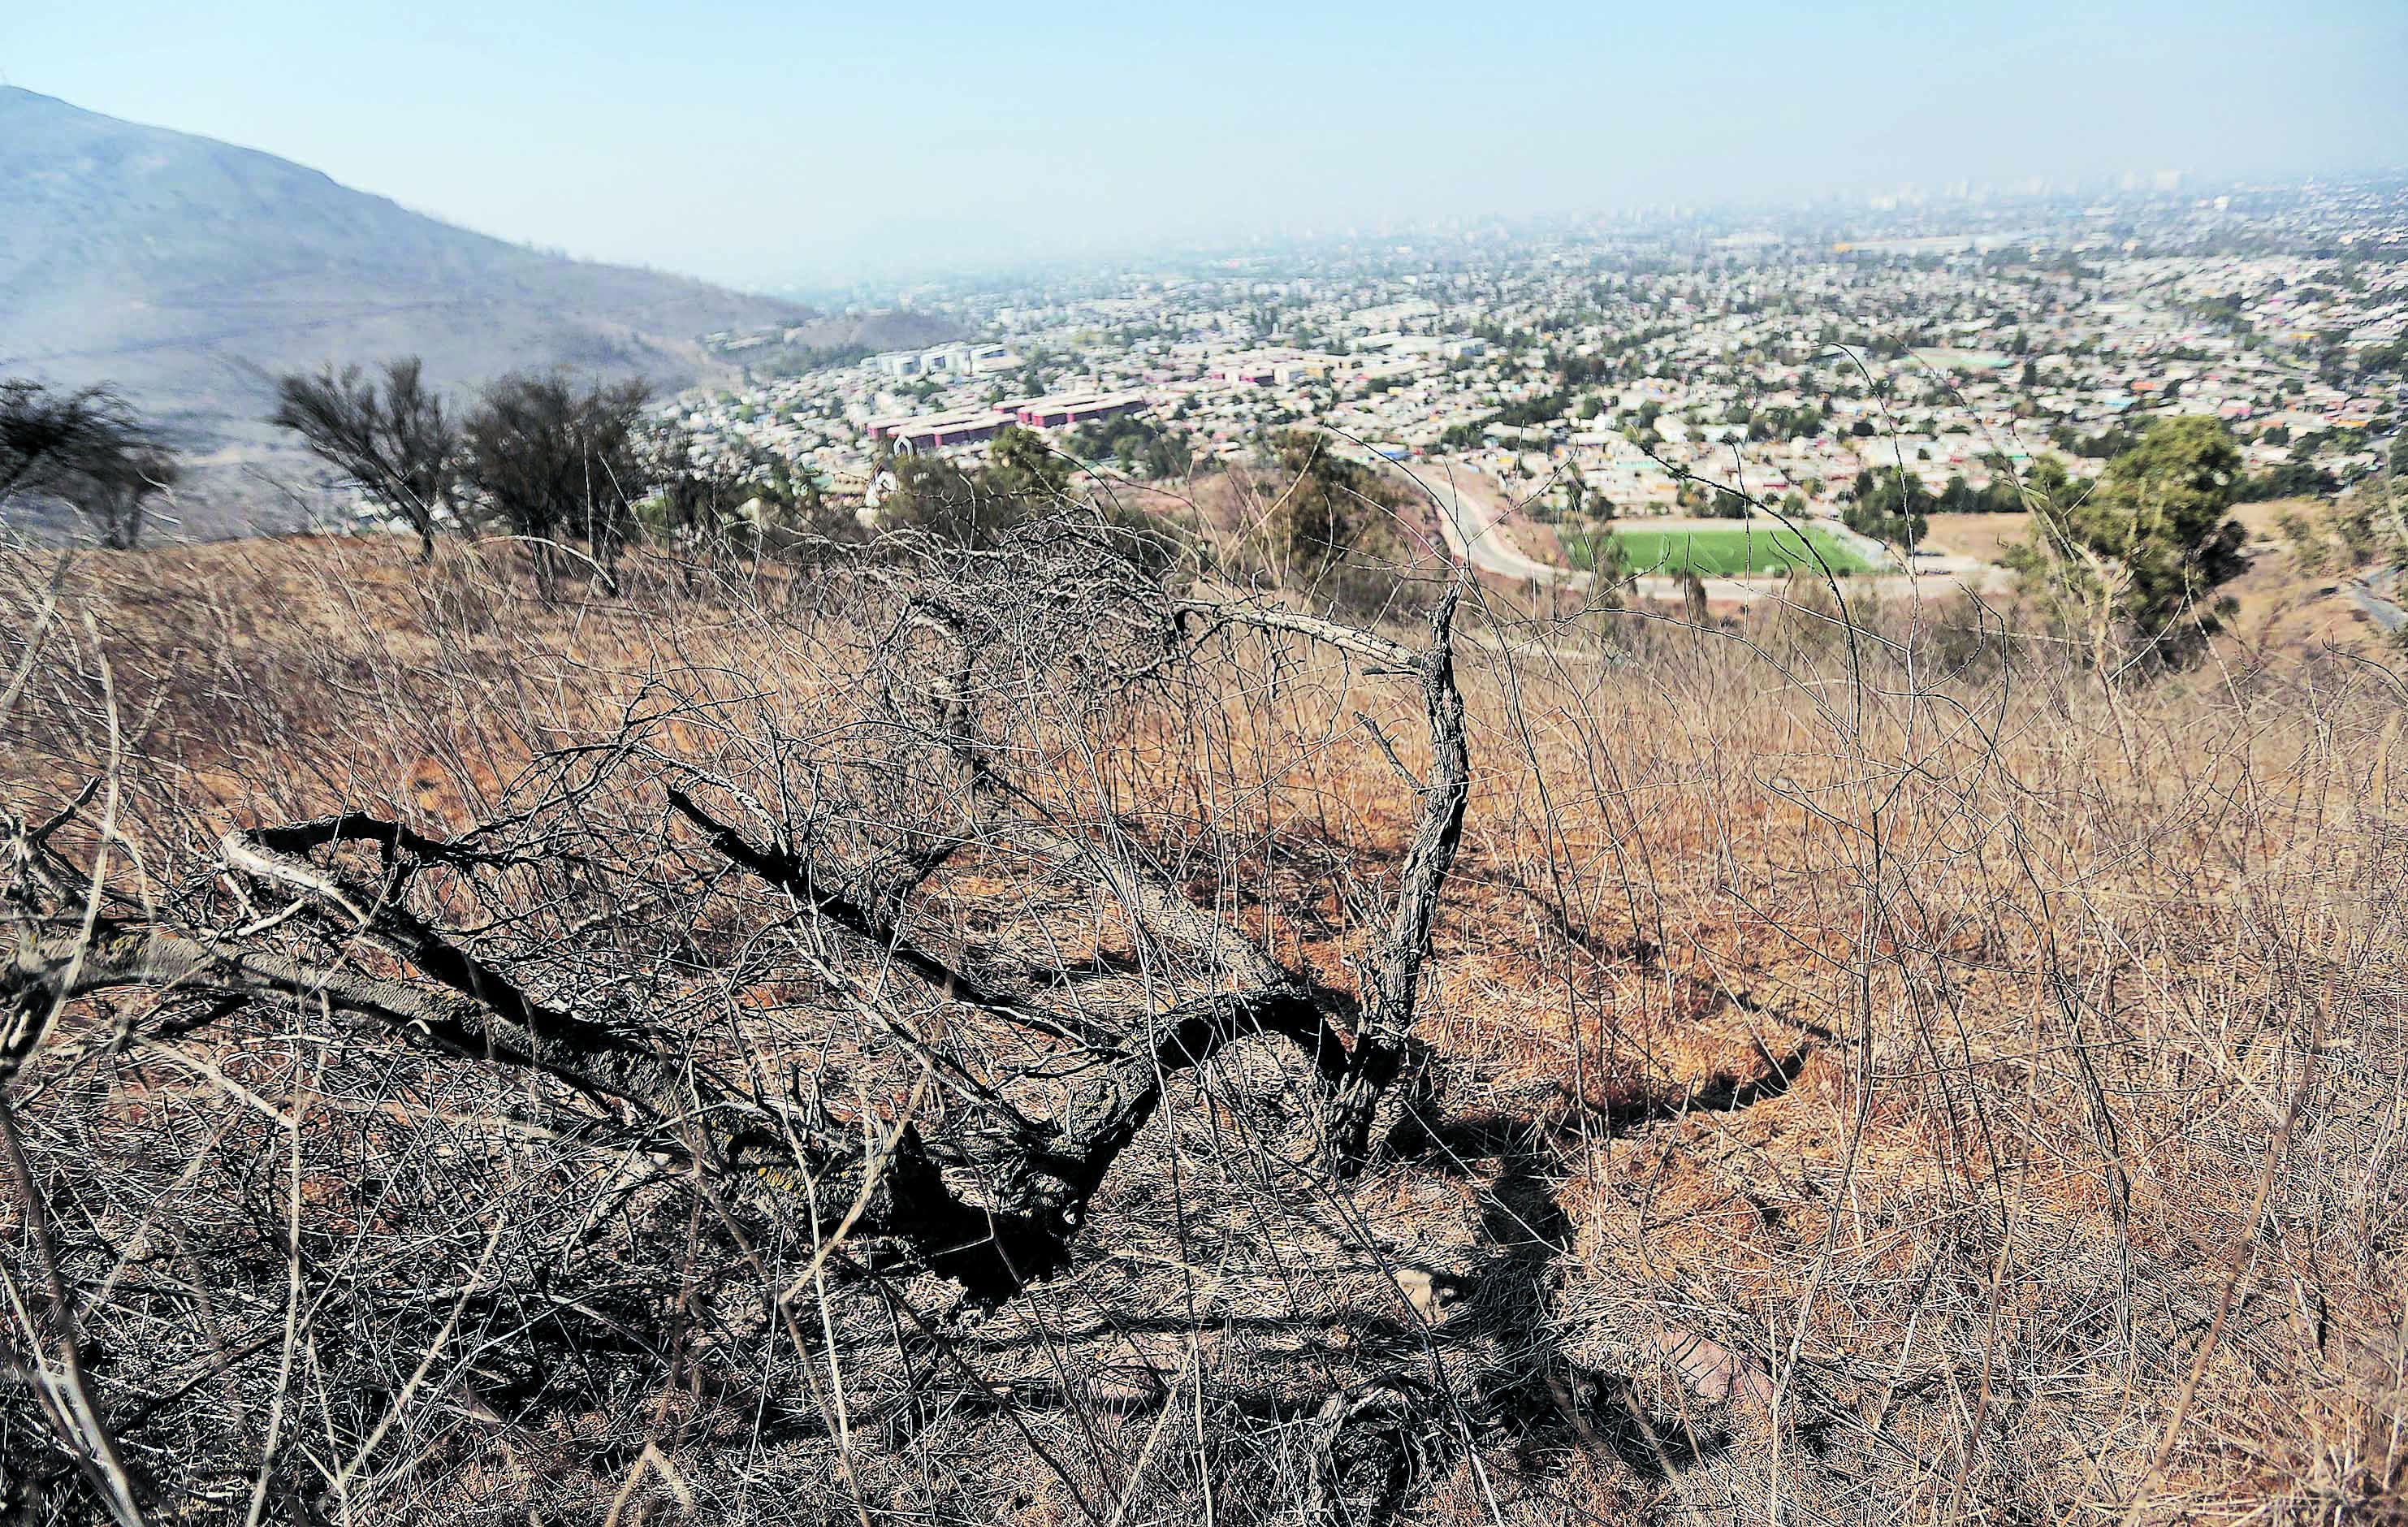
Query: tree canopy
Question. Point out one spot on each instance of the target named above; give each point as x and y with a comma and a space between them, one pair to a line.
1024, 479
1890, 505
2144, 551
553, 459
1330, 512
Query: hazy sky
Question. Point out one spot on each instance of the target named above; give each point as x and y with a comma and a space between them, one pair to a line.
759, 143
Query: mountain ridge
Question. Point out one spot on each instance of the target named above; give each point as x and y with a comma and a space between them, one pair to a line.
187, 272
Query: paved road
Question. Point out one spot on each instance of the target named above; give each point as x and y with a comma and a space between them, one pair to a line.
1469, 507
1473, 509
2375, 596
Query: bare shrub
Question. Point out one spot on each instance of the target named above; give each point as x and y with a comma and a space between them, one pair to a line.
976, 1031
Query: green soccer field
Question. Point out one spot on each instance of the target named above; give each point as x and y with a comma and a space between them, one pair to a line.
1742, 551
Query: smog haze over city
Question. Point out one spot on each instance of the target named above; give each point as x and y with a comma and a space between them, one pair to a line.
758, 144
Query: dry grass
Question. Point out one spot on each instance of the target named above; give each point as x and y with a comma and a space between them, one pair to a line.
1986, 537
2007, 1075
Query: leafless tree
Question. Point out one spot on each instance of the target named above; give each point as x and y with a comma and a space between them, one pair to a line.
85, 449
550, 459
118, 493
395, 438
807, 857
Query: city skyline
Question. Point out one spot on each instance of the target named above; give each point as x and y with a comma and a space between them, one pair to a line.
766, 150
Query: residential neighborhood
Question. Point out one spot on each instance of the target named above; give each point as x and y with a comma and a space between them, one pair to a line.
1632, 370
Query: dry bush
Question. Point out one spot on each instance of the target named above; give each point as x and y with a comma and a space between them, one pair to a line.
1865, 1070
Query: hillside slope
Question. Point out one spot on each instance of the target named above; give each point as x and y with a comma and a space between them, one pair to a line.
184, 271
1878, 1071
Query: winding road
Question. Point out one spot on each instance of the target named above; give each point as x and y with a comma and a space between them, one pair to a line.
1472, 510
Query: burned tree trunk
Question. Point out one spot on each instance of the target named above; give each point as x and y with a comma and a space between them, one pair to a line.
1438, 832
1381, 1042
350, 914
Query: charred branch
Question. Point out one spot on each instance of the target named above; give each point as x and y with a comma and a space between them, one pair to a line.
353, 915
1381, 1042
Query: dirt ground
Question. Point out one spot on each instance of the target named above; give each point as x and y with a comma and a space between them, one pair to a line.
1866, 1082
1983, 537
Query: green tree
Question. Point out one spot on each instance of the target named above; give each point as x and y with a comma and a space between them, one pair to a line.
2045, 482
1328, 526
1607, 561
938, 498
1330, 507
2140, 556
746, 500
2288, 480
1023, 480
1022, 466
1890, 505
1141, 447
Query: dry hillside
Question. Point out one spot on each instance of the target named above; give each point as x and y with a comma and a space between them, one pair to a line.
861, 1044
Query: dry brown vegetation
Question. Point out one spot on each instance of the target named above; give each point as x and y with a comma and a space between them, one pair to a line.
1864, 1070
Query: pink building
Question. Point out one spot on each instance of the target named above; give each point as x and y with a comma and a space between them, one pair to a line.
1077, 409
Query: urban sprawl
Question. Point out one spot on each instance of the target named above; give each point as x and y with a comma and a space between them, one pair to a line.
1634, 366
